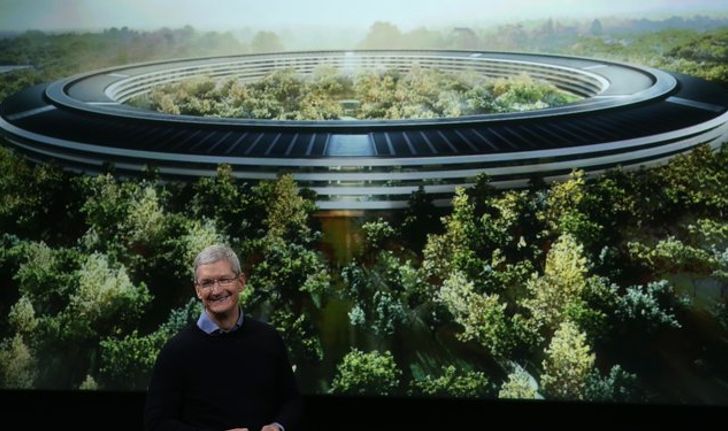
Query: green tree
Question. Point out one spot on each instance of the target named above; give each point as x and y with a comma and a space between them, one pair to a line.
562, 283
482, 317
38, 202
266, 41
617, 386
382, 35
452, 382
378, 294
104, 301
377, 234
227, 202
650, 307
372, 373
287, 211
418, 220
596, 28
18, 366
565, 212
453, 250
568, 364
519, 385
22, 317
126, 362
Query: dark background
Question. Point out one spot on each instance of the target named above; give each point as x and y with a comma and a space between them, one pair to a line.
74, 410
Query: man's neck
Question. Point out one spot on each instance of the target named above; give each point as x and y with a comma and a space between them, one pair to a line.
225, 321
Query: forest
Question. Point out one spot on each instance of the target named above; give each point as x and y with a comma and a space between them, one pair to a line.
329, 95
602, 289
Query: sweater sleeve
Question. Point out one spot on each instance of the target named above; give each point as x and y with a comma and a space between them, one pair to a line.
290, 403
164, 397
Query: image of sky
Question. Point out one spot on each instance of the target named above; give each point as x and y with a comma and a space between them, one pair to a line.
20, 15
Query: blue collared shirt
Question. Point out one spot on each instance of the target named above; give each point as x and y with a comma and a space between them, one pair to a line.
209, 327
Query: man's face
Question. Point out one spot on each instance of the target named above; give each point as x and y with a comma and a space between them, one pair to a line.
218, 287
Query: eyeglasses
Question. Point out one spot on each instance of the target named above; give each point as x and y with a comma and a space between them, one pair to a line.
210, 283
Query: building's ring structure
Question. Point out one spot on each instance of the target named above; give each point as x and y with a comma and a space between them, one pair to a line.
630, 116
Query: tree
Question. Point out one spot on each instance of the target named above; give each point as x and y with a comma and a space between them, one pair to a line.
46, 276
266, 41
453, 250
38, 202
22, 317
452, 382
104, 301
565, 212
287, 280
372, 373
377, 234
18, 366
562, 283
287, 211
382, 35
650, 307
596, 28
617, 386
520, 385
697, 179
482, 316
126, 362
419, 219
568, 364
227, 202
378, 294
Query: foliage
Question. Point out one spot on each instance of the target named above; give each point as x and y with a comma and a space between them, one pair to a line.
453, 250
372, 373
105, 299
377, 234
452, 382
224, 200
45, 276
565, 212
568, 364
18, 367
126, 362
22, 317
380, 293
617, 386
418, 220
37, 202
518, 385
266, 41
562, 283
650, 307
89, 384
390, 94
287, 209
481, 316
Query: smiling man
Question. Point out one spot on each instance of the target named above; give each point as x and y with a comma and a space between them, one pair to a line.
227, 371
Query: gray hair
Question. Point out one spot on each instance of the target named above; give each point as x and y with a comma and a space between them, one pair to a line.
216, 253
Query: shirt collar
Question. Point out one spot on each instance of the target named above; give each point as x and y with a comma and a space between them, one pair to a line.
209, 327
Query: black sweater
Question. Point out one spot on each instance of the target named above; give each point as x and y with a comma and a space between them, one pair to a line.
218, 382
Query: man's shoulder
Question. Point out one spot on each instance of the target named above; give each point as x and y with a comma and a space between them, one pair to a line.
183, 338
262, 329
258, 325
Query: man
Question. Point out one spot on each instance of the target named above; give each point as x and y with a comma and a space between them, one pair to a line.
228, 371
